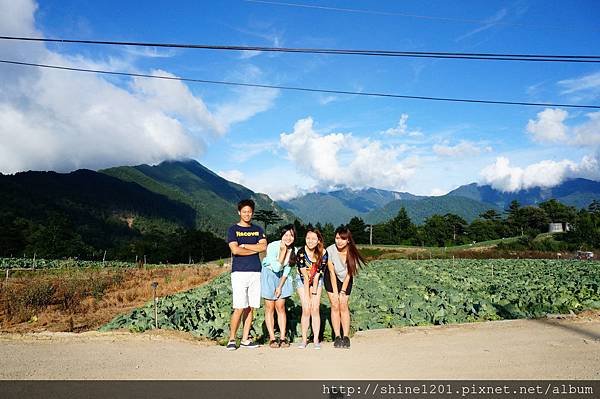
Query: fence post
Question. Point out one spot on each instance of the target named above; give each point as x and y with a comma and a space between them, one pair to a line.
7, 270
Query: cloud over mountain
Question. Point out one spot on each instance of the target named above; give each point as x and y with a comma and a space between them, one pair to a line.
62, 120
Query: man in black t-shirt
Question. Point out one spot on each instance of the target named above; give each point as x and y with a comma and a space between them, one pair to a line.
246, 241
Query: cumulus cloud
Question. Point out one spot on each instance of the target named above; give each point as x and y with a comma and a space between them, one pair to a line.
504, 177
463, 148
340, 159
402, 129
550, 127
63, 120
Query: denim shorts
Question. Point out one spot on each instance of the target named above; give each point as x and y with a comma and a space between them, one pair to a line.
298, 281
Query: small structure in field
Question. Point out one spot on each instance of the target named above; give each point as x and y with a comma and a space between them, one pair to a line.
558, 227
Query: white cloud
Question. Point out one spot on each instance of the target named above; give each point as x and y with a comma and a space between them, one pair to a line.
233, 175
587, 83
324, 100
175, 98
489, 23
502, 176
402, 129
241, 152
64, 120
588, 133
248, 101
549, 127
339, 159
276, 182
463, 148
436, 192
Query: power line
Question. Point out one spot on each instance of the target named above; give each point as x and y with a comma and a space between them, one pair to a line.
399, 14
304, 89
379, 53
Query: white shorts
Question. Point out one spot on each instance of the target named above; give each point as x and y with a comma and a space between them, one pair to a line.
246, 289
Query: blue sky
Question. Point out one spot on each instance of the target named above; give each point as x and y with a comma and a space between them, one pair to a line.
286, 143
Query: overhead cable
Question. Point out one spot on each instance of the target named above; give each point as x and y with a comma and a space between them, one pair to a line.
304, 89
378, 53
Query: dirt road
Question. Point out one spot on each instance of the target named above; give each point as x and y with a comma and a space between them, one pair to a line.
517, 349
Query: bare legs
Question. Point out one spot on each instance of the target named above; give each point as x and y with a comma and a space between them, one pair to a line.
246, 315
270, 308
310, 314
340, 314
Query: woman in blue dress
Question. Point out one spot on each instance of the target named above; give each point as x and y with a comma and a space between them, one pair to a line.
275, 284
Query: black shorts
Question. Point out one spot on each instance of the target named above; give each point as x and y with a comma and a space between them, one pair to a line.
329, 287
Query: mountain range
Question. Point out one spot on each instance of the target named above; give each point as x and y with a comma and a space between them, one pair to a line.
117, 201
467, 201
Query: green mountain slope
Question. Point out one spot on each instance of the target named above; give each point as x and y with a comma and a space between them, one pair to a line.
419, 210
212, 197
340, 206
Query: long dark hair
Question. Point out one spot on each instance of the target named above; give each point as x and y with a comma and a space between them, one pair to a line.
353, 258
282, 231
320, 245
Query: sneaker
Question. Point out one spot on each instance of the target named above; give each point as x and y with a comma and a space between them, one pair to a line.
231, 346
346, 342
337, 343
302, 345
317, 345
249, 344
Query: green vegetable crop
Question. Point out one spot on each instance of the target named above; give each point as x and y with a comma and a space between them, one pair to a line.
396, 293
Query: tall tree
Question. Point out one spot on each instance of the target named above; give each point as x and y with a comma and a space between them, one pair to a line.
557, 212
359, 230
401, 228
490, 214
267, 217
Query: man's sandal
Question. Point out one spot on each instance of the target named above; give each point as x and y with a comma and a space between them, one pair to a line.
285, 343
274, 343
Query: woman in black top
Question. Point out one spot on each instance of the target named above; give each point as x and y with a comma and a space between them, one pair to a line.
311, 261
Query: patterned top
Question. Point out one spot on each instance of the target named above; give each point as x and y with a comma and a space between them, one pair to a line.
303, 261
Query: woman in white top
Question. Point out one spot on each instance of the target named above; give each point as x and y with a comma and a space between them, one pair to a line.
342, 266
275, 284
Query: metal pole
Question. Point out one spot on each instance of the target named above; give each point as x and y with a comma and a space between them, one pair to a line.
154, 285
7, 275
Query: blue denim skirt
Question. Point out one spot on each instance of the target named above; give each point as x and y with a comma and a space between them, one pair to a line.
269, 280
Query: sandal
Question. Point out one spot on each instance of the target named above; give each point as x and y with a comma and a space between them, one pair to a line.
284, 343
274, 343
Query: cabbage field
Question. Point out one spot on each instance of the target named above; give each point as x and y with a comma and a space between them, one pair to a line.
30, 263
395, 293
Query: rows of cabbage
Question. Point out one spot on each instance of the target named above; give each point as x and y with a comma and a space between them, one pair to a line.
401, 293
31, 263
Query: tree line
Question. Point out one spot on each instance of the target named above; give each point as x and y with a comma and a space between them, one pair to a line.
527, 222
59, 236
